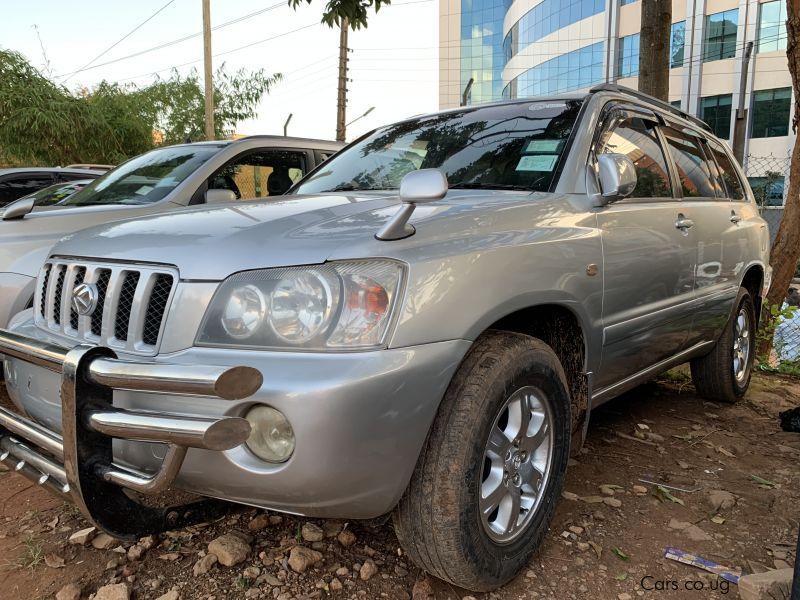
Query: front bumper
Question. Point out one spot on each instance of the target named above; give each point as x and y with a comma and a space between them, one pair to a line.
360, 420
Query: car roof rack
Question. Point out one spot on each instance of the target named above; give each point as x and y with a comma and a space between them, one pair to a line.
621, 89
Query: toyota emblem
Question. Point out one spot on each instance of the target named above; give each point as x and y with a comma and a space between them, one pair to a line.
84, 298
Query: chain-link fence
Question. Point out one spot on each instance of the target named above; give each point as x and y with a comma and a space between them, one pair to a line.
769, 179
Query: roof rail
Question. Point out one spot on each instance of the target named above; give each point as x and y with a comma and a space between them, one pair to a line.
621, 89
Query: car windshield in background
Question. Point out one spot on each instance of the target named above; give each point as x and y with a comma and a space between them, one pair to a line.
508, 146
58, 192
146, 178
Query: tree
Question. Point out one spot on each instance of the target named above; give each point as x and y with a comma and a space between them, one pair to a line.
44, 123
786, 248
355, 11
654, 42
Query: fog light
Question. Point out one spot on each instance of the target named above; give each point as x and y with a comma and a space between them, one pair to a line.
271, 438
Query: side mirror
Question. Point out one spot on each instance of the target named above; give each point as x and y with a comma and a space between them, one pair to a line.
617, 176
217, 196
18, 209
416, 187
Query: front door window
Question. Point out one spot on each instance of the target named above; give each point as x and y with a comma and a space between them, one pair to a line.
261, 174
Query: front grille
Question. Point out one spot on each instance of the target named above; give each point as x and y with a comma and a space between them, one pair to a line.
129, 305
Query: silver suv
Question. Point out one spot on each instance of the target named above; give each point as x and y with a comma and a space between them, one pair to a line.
162, 180
422, 328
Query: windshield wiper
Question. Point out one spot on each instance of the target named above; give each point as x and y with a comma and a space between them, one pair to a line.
466, 185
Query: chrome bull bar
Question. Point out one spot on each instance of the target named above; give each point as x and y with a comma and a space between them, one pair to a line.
79, 462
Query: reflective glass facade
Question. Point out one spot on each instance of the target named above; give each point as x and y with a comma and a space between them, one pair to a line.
571, 71
677, 44
545, 18
482, 48
719, 40
628, 51
771, 113
716, 111
772, 26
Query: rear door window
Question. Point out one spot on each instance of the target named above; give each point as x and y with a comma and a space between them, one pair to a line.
694, 171
637, 139
17, 186
728, 174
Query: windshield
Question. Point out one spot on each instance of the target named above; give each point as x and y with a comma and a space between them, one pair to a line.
507, 146
58, 192
146, 178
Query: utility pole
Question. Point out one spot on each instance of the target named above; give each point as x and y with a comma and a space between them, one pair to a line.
467, 90
209, 93
654, 42
286, 125
341, 100
740, 124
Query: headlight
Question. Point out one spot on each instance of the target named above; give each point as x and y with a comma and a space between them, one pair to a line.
336, 306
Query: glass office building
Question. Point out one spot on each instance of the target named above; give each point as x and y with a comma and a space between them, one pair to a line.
524, 48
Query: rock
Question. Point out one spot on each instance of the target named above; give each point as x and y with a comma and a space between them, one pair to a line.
639, 490
169, 556
312, 533
569, 495
147, 542
575, 529
624, 596
272, 580
114, 591
721, 500
82, 537
103, 541
203, 566
583, 546
606, 490
71, 591
300, 558
693, 532
135, 552
422, 590
614, 502
275, 519
170, 595
259, 522
230, 549
342, 571
332, 528
772, 585
593, 499
368, 570
335, 585
54, 561
251, 572
346, 538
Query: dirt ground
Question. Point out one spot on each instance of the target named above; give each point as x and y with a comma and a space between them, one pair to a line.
605, 542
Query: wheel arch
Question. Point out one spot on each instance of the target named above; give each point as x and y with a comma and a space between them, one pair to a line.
752, 281
562, 329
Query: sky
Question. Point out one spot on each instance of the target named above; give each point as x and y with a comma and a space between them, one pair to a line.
393, 64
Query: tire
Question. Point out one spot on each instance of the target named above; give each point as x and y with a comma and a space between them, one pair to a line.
438, 521
718, 375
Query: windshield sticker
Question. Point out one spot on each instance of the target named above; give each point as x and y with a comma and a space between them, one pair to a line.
543, 105
543, 146
537, 162
144, 190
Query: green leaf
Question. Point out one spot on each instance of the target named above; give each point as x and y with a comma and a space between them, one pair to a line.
764, 483
664, 495
620, 554
621, 577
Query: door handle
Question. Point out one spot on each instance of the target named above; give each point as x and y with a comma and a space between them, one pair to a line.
683, 223
735, 218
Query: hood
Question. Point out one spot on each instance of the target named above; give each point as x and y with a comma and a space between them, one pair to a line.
25, 243
210, 243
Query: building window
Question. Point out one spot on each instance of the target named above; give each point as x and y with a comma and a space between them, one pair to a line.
676, 104
628, 56
716, 111
676, 44
771, 113
575, 70
626, 2
720, 35
772, 26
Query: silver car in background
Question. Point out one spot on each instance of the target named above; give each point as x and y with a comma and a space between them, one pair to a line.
422, 327
162, 180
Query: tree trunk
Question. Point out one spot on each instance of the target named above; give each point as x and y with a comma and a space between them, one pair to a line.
654, 43
786, 249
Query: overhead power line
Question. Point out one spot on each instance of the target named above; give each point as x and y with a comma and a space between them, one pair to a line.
119, 41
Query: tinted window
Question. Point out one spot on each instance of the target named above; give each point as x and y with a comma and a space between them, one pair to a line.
720, 35
146, 178
694, 173
17, 186
498, 147
638, 141
261, 174
730, 177
771, 112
